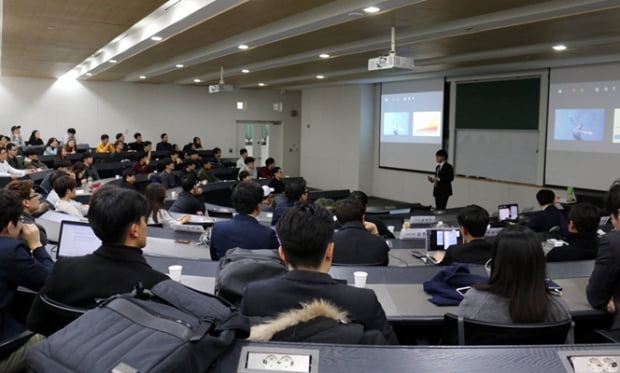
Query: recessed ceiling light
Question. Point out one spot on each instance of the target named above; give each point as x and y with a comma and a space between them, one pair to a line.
371, 9
559, 47
113, 61
89, 74
243, 47
324, 55
261, 84
179, 66
320, 76
156, 38
245, 71
197, 80
142, 77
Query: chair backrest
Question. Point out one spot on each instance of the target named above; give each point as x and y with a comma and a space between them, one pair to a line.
63, 314
474, 332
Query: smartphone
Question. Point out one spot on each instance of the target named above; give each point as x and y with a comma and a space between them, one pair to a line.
553, 287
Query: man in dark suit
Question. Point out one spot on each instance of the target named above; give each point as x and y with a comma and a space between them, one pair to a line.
163, 145
353, 244
381, 227
603, 288
582, 239
306, 245
117, 217
549, 216
473, 221
243, 230
294, 191
442, 180
189, 200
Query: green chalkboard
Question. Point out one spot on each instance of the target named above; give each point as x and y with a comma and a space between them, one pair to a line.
501, 104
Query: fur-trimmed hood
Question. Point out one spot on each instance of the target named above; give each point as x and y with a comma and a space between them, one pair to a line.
290, 318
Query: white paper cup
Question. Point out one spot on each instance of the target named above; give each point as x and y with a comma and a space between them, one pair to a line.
175, 272
360, 278
390, 228
117, 177
173, 195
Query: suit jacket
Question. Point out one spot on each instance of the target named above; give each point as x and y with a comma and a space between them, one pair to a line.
277, 185
188, 203
604, 281
444, 186
476, 252
353, 244
270, 297
18, 267
161, 146
280, 209
542, 221
242, 231
581, 246
80, 281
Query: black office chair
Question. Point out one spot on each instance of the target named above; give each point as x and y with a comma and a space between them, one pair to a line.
461, 331
63, 314
609, 336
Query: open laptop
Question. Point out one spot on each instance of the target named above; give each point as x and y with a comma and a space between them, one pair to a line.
438, 240
76, 239
509, 212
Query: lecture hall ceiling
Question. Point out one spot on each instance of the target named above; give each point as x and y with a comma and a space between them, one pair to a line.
48, 38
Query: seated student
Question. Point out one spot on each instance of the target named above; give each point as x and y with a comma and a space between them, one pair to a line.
189, 200
91, 171
381, 228
118, 155
549, 216
155, 195
12, 159
189, 168
117, 217
353, 244
120, 138
32, 160
31, 203
516, 292
163, 145
583, 220
50, 146
104, 146
176, 159
294, 192
70, 146
206, 173
249, 167
61, 157
216, 161
78, 169
137, 145
167, 178
35, 139
265, 171
65, 187
473, 221
603, 288
142, 165
244, 176
128, 179
243, 155
276, 180
306, 245
243, 230
23, 262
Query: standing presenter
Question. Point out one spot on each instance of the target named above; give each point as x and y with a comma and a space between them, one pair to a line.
442, 180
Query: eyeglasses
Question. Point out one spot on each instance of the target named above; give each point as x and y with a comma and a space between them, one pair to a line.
36, 195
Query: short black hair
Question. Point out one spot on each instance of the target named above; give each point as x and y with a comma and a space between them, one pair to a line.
246, 196
163, 135
349, 209
248, 160
128, 172
243, 151
147, 143
10, 146
295, 189
190, 152
188, 162
269, 161
136, 135
188, 181
55, 175
165, 162
474, 219
87, 155
304, 232
545, 196
612, 200
243, 174
10, 207
104, 136
71, 131
64, 184
112, 211
585, 217
119, 135
360, 196
216, 150
441, 153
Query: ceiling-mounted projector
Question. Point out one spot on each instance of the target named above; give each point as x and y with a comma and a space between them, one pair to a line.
391, 61
220, 87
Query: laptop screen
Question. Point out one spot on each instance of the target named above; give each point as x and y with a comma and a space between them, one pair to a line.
508, 212
76, 239
441, 239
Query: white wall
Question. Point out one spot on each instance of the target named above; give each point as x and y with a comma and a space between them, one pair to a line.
183, 112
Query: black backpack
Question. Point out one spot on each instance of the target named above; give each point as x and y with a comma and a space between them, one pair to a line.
170, 328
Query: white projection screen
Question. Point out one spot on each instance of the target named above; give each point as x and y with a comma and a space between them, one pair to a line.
583, 133
411, 124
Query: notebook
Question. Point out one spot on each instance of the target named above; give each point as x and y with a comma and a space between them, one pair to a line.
76, 239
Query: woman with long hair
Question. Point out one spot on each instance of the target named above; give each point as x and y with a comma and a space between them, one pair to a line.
70, 147
35, 139
61, 155
155, 195
516, 291
50, 147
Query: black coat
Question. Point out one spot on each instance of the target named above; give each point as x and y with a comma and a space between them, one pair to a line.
475, 252
353, 244
444, 186
580, 247
604, 281
188, 203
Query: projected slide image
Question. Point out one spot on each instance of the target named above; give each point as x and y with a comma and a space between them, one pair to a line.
396, 123
579, 124
427, 123
616, 138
